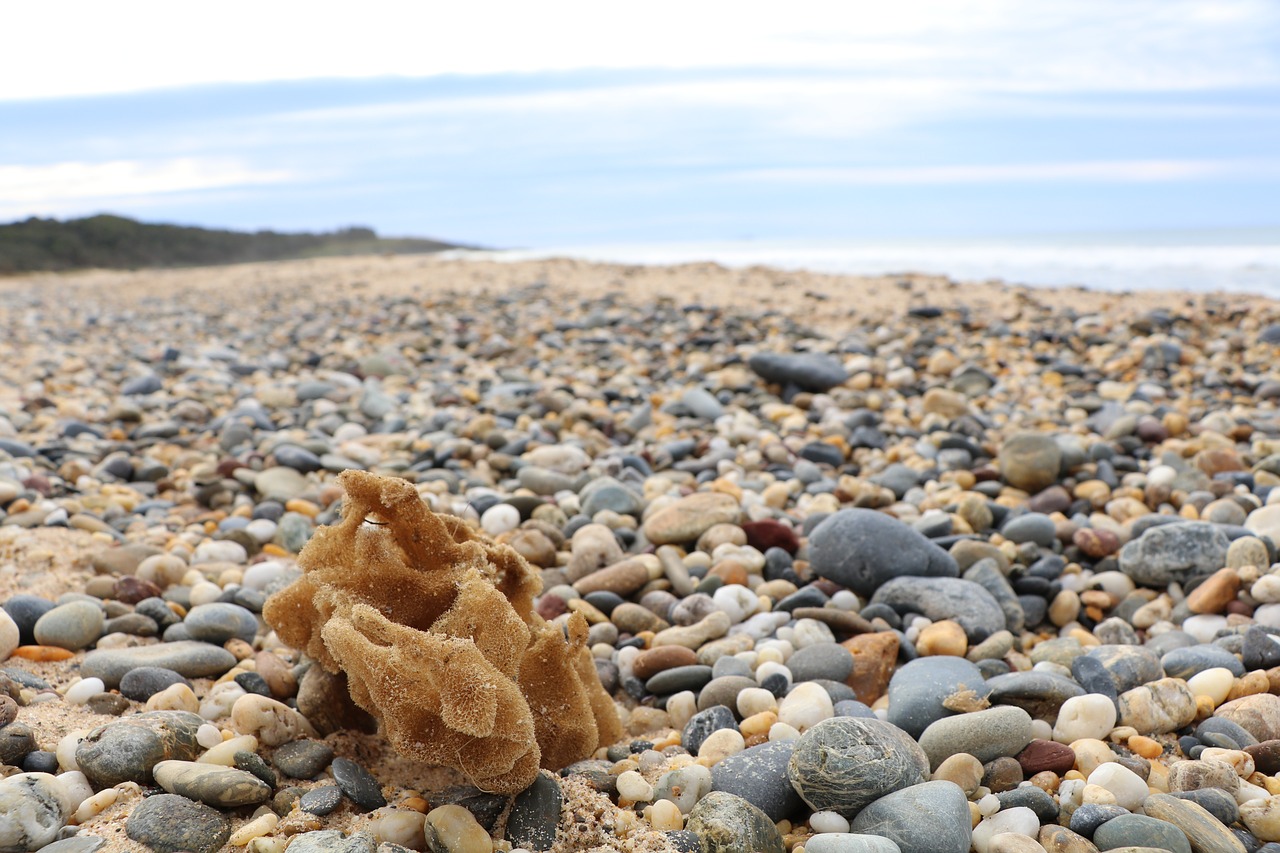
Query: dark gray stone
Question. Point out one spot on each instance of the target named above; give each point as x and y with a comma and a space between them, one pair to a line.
1087, 818
806, 371
986, 573
535, 814
692, 677
759, 776
358, 784
168, 823
703, 723
332, 841
17, 740
144, 682
961, 601
1189, 660
1030, 527
821, 661
929, 818
1040, 694
221, 621
844, 763
321, 801
862, 549
303, 759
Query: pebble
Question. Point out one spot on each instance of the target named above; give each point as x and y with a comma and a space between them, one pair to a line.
75, 625
932, 817
33, 808
986, 735
845, 763
862, 549
535, 814
168, 822
220, 787
188, 658
126, 750
321, 800
303, 759
759, 776
358, 784
729, 824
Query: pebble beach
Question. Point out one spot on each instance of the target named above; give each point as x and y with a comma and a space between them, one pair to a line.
870, 565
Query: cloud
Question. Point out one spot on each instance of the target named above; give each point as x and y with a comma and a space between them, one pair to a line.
1038, 45
1119, 171
76, 187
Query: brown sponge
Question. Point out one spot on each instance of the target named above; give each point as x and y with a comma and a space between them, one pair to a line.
436, 632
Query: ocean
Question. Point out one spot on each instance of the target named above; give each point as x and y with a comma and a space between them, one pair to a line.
1220, 260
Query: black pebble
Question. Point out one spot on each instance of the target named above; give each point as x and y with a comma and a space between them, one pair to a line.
358, 784
40, 761
321, 801
535, 814
251, 762
253, 682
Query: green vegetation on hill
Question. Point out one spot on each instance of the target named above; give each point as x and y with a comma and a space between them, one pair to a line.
115, 242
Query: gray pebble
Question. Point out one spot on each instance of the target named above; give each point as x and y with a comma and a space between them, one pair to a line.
759, 776
961, 601
535, 815
830, 661
929, 818
142, 683
75, 625
219, 622
321, 801
862, 549
358, 784
303, 759
844, 763
127, 749
729, 824
917, 690
332, 841
189, 658
168, 823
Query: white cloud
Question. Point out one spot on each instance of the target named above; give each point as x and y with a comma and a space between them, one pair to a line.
89, 47
1118, 171
76, 187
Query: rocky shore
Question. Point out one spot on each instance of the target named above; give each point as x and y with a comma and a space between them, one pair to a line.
869, 565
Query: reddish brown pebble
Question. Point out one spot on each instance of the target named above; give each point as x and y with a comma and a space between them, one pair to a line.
1052, 499
1215, 592
1095, 542
662, 658
550, 606
768, 533
130, 589
731, 571
8, 711
1041, 755
1266, 756
873, 658
1002, 774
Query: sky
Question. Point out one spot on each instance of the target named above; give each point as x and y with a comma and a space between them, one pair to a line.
562, 123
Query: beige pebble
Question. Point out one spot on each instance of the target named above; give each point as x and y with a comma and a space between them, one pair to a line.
175, 697
943, 638
262, 825
1262, 817
961, 769
401, 826
632, 786
664, 816
224, 753
95, 805
1091, 752
719, 745
456, 830
272, 722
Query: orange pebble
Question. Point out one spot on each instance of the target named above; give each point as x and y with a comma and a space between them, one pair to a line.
302, 507
732, 571
42, 654
1145, 746
417, 804
274, 550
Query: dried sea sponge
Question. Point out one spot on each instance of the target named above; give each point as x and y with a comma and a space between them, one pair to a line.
436, 632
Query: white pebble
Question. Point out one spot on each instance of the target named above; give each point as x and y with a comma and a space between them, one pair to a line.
1090, 716
1020, 820
811, 632
1040, 729
828, 822
1126, 786
263, 530
84, 690
632, 786
737, 602
205, 592
500, 518
208, 736
66, 749
767, 669
681, 707
261, 575
988, 805
1215, 683
806, 705
845, 600
1206, 626
754, 700
783, 731
77, 786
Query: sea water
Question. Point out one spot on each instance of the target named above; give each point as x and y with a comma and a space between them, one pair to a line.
1235, 261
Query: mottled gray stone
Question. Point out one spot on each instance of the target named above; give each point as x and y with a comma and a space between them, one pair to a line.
918, 689
168, 823
1040, 694
728, 824
986, 735
807, 371
961, 601
844, 763
126, 750
759, 776
829, 661
1133, 830
190, 658
1174, 552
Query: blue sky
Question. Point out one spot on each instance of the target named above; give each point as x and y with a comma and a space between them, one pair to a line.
569, 123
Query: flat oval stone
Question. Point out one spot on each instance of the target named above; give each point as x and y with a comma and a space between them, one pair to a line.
932, 817
143, 682
821, 661
1040, 694
221, 621
1201, 828
690, 517
693, 677
211, 784
321, 801
168, 822
986, 735
75, 625
844, 763
358, 784
189, 658
1189, 660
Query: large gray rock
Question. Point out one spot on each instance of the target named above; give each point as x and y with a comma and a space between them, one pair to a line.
1175, 552
127, 750
917, 690
862, 549
844, 763
190, 658
964, 602
929, 818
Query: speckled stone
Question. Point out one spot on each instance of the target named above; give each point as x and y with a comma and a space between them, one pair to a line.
358, 784
862, 549
918, 689
729, 824
535, 814
932, 817
964, 602
844, 763
303, 759
1133, 830
211, 784
168, 823
1202, 829
126, 750
321, 801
